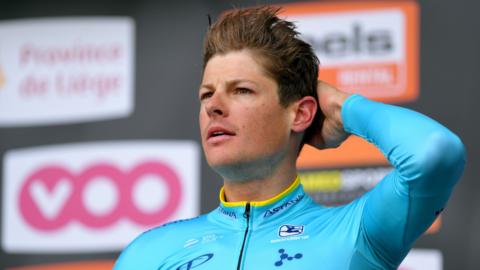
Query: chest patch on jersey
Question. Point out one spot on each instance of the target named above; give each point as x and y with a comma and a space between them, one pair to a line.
290, 230
285, 257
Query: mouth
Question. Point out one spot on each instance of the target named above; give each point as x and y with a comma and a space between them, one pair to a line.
217, 133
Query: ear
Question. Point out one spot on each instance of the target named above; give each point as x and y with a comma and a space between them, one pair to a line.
305, 110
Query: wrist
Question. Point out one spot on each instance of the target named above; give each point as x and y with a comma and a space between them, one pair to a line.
337, 103
356, 112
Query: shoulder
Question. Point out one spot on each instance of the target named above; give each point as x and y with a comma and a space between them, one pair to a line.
168, 232
344, 217
152, 247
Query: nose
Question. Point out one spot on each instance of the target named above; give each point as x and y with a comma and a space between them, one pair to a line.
216, 106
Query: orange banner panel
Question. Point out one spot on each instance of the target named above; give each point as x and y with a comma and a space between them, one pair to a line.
92, 265
380, 81
435, 227
353, 152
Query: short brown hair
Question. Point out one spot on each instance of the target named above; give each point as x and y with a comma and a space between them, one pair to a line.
286, 58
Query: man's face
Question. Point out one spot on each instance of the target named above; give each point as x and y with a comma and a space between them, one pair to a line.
241, 120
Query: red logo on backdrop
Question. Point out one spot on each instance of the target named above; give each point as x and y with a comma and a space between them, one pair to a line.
63, 191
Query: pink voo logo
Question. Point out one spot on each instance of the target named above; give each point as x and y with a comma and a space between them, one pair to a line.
100, 195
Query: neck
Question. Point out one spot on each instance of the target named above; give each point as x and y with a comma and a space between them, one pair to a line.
260, 189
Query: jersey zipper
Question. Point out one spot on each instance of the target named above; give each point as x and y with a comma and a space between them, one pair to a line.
247, 216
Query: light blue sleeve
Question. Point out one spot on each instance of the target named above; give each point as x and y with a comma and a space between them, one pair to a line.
146, 252
428, 160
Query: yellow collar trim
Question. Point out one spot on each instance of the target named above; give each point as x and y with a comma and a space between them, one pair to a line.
278, 197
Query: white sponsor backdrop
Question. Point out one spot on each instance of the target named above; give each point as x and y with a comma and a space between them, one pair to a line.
362, 50
95, 196
64, 70
357, 30
423, 259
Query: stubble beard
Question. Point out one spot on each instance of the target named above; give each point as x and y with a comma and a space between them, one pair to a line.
248, 170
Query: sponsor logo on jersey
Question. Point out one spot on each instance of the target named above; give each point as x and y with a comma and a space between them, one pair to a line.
196, 262
60, 198
230, 214
208, 238
294, 237
285, 256
290, 230
285, 205
190, 242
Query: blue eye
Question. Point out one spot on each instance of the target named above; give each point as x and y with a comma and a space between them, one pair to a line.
205, 95
242, 90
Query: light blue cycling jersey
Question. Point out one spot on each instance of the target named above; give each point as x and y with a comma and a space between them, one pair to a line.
290, 231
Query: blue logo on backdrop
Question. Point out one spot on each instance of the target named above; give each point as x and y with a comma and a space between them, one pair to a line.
290, 230
196, 262
284, 256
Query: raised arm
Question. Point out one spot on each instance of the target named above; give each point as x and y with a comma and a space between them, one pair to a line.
428, 161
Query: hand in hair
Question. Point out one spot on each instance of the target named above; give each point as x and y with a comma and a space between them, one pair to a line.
331, 134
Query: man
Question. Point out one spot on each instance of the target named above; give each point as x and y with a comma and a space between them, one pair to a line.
258, 98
